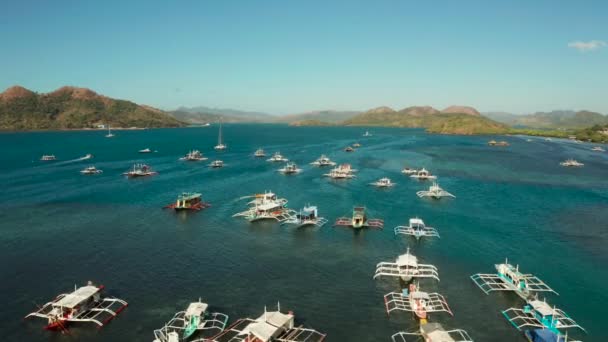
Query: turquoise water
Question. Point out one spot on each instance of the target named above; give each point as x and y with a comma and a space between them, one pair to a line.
59, 228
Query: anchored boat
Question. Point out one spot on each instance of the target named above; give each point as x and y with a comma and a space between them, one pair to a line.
145, 150
277, 158
343, 171
109, 135
323, 160
194, 155
359, 220
270, 326
290, 168
538, 314
349, 149
220, 143
216, 164
308, 216
48, 157
367, 134
84, 304
140, 170
406, 267
571, 163
259, 153
509, 278
417, 229
498, 143
432, 332
189, 201
266, 206
423, 174
91, 170
195, 319
383, 183
418, 302
434, 191
409, 171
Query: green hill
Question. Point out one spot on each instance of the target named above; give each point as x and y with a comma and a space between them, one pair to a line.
310, 123
71, 107
557, 119
434, 121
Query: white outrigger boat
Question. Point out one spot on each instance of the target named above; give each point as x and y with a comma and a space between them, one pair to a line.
417, 302
434, 191
216, 164
267, 206
259, 153
220, 143
343, 171
384, 182
84, 304
417, 229
308, 216
538, 314
598, 149
195, 319
408, 171
90, 170
193, 155
434, 332
48, 157
509, 278
277, 158
270, 326
571, 163
289, 169
406, 267
323, 160
423, 174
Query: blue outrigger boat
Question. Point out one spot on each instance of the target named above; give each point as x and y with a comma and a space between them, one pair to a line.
538, 314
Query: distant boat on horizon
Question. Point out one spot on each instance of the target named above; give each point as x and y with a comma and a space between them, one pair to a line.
220, 144
109, 135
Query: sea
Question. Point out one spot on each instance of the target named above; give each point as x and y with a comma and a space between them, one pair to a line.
60, 229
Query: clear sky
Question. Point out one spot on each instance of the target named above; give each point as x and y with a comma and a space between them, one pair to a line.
289, 56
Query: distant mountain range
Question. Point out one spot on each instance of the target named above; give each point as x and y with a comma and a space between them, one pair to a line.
72, 107
558, 119
451, 120
228, 115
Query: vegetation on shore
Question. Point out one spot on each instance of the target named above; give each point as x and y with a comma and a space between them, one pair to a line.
311, 123
71, 108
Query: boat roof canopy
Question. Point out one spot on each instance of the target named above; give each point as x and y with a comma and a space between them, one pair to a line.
196, 309
188, 196
418, 221
407, 260
80, 295
435, 332
542, 307
269, 325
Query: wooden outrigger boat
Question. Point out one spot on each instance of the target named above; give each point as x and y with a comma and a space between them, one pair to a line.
193, 155
308, 216
435, 192
359, 220
417, 229
90, 170
271, 326
140, 170
384, 182
434, 332
418, 302
84, 304
277, 157
538, 314
290, 169
343, 171
323, 160
406, 267
267, 206
188, 201
509, 278
196, 319
423, 174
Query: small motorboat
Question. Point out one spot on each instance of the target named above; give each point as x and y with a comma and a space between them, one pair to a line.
216, 164
277, 157
423, 174
290, 168
356, 145
188, 201
408, 171
349, 149
383, 183
91, 170
86, 156
259, 153
145, 150
48, 157
571, 163
323, 160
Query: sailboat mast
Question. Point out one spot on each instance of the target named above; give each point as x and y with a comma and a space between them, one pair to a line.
219, 138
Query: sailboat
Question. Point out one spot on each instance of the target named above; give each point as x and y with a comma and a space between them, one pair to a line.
109, 135
220, 145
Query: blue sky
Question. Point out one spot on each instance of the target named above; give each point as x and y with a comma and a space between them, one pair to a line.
294, 56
